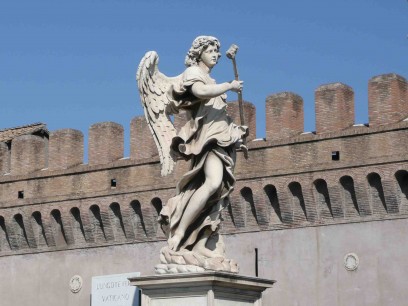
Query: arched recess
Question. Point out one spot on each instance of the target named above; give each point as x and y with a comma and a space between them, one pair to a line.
236, 210
298, 202
402, 180
117, 221
57, 227
349, 197
38, 229
323, 199
275, 215
251, 219
227, 215
77, 226
98, 229
4, 237
377, 198
19, 240
136, 219
157, 206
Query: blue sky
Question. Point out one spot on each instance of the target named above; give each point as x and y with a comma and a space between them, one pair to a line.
70, 64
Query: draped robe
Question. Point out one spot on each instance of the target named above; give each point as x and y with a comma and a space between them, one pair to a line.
208, 129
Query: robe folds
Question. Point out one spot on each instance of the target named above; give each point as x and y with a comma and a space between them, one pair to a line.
208, 129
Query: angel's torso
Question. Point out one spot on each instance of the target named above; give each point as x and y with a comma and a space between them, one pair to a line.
196, 74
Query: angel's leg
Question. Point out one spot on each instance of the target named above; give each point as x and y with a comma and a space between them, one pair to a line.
200, 246
213, 171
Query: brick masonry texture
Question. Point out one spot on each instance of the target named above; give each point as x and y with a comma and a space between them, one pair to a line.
11, 133
334, 104
105, 143
249, 116
4, 158
141, 140
290, 180
284, 115
66, 149
28, 154
387, 95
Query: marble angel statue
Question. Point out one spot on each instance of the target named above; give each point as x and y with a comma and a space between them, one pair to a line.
208, 139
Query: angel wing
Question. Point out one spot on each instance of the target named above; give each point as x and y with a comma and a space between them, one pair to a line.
154, 89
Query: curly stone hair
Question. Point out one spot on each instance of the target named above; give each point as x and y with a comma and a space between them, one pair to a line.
198, 46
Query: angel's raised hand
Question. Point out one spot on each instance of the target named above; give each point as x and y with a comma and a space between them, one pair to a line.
237, 86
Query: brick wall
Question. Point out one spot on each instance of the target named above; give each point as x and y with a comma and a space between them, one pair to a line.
66, 149
340, 174
334, 104
387, 99
284, 115
105, 143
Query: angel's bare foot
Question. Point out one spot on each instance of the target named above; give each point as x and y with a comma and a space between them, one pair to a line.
174, 242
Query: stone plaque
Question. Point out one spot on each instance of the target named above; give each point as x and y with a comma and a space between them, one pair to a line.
114, 290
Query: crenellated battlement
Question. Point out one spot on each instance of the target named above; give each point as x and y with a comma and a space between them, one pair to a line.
105, 143
387, 99
50, 200
284, 115
66, 149
334, 104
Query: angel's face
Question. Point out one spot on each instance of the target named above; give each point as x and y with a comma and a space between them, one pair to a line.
209, 57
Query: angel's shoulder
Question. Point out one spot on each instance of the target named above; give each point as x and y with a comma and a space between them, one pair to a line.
194, 73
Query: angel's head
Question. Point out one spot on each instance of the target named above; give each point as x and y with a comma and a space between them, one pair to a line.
199, 45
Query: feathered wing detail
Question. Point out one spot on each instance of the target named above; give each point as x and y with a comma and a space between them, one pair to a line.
154, 88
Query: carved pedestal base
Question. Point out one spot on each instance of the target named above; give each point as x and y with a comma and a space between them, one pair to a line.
189, 261
201, 289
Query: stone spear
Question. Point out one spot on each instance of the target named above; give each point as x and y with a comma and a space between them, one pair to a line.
231, 53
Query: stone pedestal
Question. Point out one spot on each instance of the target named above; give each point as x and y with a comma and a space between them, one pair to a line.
201, 289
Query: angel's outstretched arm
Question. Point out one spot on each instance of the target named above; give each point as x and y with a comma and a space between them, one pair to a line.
206, 91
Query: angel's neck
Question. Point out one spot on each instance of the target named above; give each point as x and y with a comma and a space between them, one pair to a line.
204, 67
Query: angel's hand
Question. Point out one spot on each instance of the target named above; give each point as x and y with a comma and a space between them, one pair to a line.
237, 86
